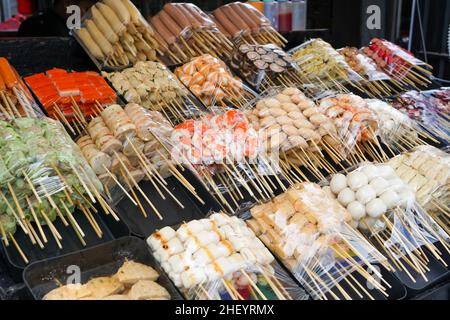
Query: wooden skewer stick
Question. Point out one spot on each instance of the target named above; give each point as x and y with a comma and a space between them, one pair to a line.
54, 206
91, 220
32, 187
19, 208
83, 183
35, 235
18, 219
19, 249
33, 213
227, 288
130, 187
4, 236
120, 185
253, 284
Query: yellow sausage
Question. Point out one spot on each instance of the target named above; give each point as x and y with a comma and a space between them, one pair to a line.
112, 18
99, 38
103, 25
90, 44
135, 15
120, 10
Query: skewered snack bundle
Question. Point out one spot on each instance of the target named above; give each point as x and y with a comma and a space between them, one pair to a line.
15, 99
116, 35
133, 281
384, 207
43, 176
378, 81
210, 80
121, 145
242, 22
218, 257
308, 230
429, 112
399, 64
71, 96
184, 31
151, 85
264, 66
322, 65
426, 170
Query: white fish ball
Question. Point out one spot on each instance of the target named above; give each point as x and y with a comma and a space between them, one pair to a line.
338, 183
379, 185
346, 196
366, 194
370, 171
396, 184
356, 180
357, 210
390, 199
376, 208
386, 171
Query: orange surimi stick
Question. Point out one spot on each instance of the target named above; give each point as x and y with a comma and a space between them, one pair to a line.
2, 84
8, 74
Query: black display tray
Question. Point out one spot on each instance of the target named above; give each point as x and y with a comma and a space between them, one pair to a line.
172, 213
103, 260
441, 292
438, 273
70, 243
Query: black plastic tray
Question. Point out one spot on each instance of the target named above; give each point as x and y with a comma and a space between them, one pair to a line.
111, 229
438, 273
171, 212
103, 260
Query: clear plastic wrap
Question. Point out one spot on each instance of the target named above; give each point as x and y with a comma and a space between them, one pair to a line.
220, 258
15, 98
123, 147
265, 66
428, 112
43, 176
308, 230
243, 23
406, 70
322, 65
115, 35
184, 31
71, 96
426, 170
385, 209
210, 80
153, 86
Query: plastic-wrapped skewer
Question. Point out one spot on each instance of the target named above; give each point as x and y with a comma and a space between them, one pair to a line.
241, 22
123, 147
265, 66
44, 177
220, 258
385, 210
154, 87
184, 31
115, 35
210, 80
309, 231
71, 97
428, 111
320, 64
377, 81
405, 70
426, 170
225, 152
15, 99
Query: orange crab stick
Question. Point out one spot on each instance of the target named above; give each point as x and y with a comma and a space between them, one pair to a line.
8, 74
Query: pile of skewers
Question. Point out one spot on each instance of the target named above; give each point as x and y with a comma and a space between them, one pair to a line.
377, 82
184, 31
385, 210
153, 86
124, 146
426, 170
133, 281
219, 258
210, 80
241, 22
404, 69
15, 99
308, 230
44, 177
71, 97
116, 35
265, 66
